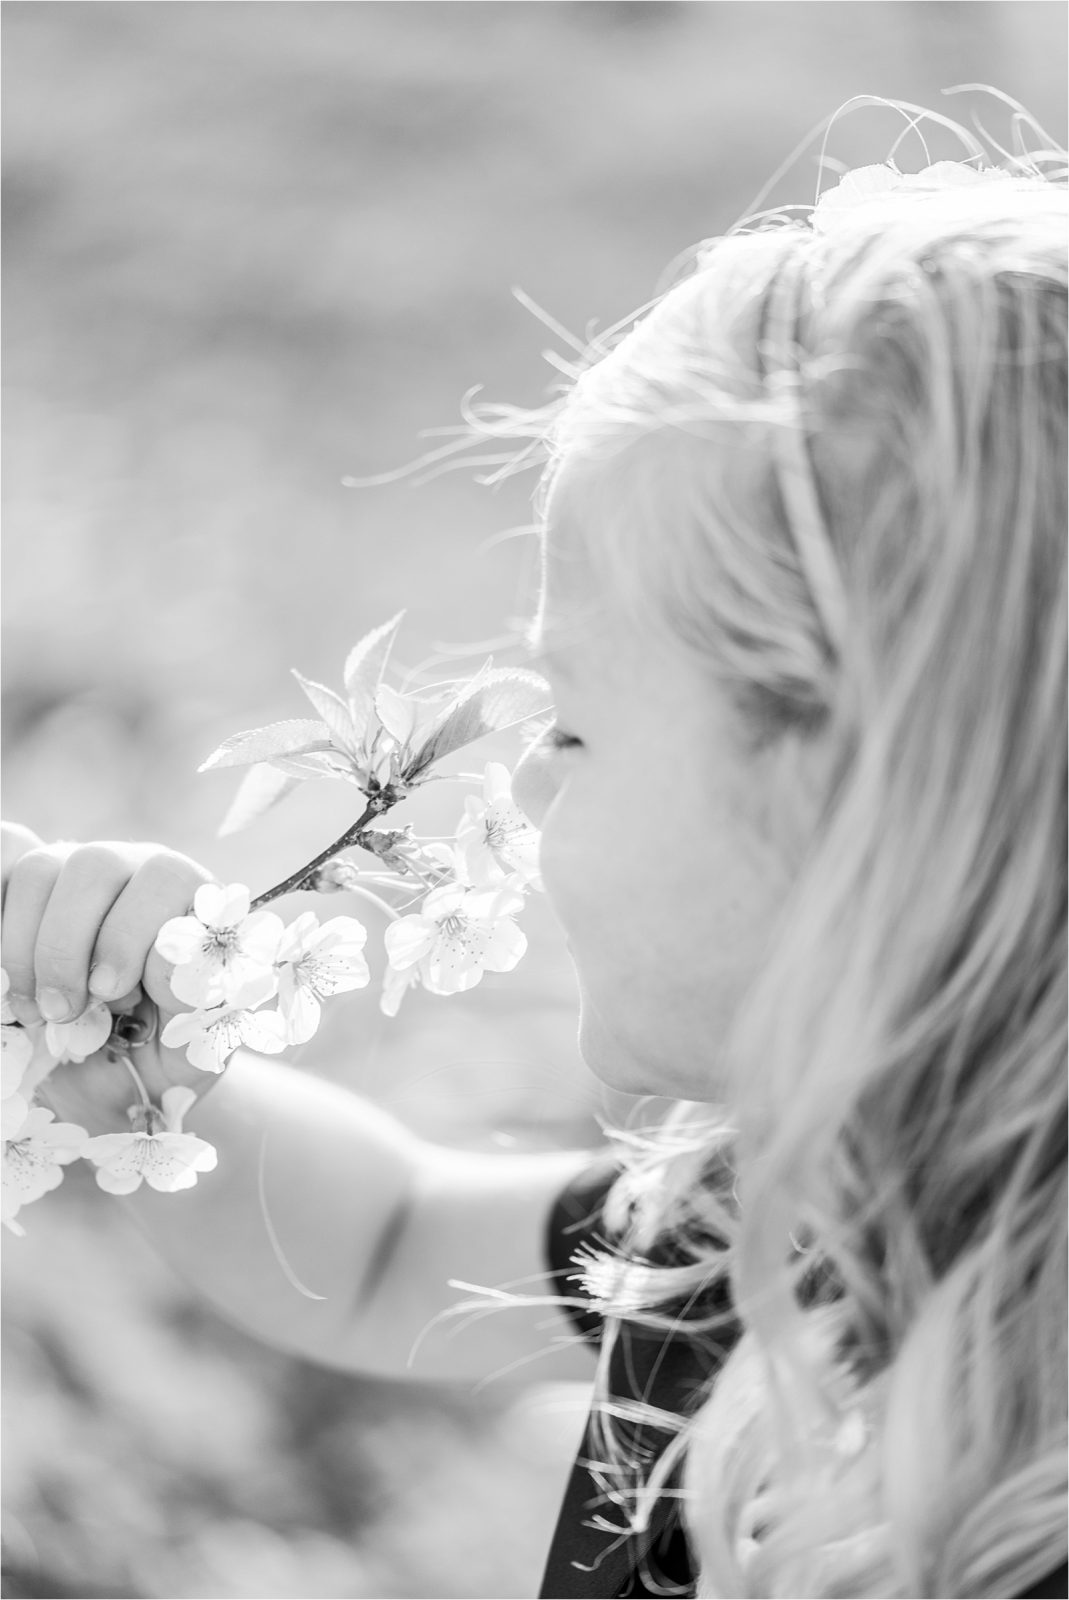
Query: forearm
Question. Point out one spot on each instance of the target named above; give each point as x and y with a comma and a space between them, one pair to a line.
331, 1230
286, 1236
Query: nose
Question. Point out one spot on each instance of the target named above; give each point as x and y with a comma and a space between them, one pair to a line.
533, 785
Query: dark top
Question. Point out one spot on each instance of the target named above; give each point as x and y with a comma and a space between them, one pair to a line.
589, 1556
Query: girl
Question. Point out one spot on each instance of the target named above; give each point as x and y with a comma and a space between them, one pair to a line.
804, 619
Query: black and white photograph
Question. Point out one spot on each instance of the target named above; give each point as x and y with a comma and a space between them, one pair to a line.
534, 799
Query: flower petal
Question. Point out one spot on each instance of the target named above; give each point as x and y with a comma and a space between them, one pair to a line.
176, 1102
14, 1109
199, 981
296, 937
497, 782
259, 936
346, 933
395, 985
504, 948
407, 940
77, 1040
335, 974
452, 980
206, 1035
41, 1065
443, 901
172, 1160
225, 905
179, 1029
16, 1053
300, 1015
124, 1182
261, 1030
209, 1050
258, 985
181, 938
246, 981
103, 1148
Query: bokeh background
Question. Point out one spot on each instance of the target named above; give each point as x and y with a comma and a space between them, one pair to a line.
252, 249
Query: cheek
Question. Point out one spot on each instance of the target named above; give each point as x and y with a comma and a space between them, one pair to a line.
534, 786
574, 861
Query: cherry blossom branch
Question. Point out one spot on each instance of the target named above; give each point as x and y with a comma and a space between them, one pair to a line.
230, 958
376, 806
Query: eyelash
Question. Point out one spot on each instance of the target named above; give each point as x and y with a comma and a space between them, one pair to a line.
557, 740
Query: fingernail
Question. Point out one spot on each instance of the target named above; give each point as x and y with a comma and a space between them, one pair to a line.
53, 1005
104, 983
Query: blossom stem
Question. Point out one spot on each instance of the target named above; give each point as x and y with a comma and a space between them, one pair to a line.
145, 1097
377, 804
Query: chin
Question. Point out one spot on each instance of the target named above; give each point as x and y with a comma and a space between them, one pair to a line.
617, 1064
622, 1065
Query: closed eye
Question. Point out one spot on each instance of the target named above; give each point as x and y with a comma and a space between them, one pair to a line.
557, 739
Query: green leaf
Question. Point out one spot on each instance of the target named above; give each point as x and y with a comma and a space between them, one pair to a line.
364, 666
317, 764
398, 713
492, 701
292, 737
333, 709
262, 787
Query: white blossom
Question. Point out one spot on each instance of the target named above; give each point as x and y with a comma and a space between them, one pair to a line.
41, 1062
395, 985
220, 949
14, 1109
159, 1154
81, 1038
316, 961
495, 838
34, 1160
457, 934
16, 1044
16, 1053
212, 1036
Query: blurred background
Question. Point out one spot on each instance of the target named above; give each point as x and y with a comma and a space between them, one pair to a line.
252, 249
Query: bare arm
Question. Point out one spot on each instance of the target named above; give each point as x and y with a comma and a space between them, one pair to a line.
327, 1229
372, 1221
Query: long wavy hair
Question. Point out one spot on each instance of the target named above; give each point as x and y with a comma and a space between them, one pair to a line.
833, 461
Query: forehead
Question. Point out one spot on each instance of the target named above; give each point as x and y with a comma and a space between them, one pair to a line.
579, 622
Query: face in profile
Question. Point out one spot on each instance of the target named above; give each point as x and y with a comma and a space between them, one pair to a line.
664, 837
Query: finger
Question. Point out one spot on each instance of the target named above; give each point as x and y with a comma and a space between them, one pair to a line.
124, 956
30, 884
15, 841
89, 882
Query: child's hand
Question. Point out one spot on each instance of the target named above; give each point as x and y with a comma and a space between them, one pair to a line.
80, 922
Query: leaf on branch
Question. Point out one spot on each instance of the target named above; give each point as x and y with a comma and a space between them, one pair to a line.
261, 788
317, 764
332, 709
492, 701
364, 667
292, 737
398, 713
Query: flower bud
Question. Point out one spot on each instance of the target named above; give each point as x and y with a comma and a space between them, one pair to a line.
334, 877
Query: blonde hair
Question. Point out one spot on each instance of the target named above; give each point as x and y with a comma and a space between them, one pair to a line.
836, 454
